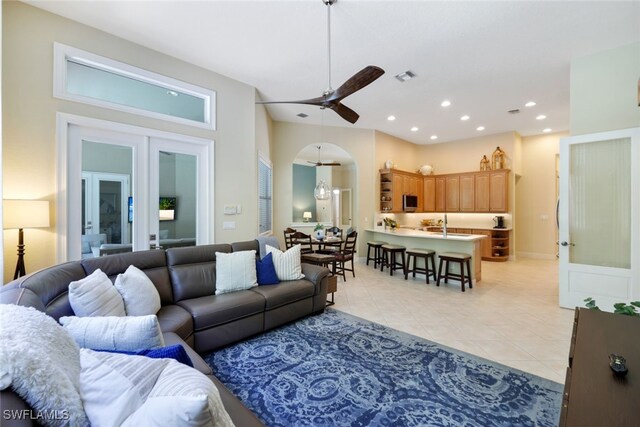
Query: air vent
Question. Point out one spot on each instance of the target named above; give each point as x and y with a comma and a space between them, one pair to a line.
514, 111
407, 75
303, 115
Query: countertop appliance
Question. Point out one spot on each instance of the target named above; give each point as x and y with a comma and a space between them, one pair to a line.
499, 220
409, 202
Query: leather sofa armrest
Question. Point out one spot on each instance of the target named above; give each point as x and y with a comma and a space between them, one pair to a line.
15, 411
20, 296
316, 275
171, 338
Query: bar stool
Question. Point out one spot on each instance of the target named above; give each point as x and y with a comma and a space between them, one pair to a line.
377, 252
390, 258
459, 258
426, 254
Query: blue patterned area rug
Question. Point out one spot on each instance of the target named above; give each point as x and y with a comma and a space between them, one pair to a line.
335, 369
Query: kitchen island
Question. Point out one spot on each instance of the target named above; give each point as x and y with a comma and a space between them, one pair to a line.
454, 242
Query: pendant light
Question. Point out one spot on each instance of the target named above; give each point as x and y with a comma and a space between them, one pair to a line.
322, 191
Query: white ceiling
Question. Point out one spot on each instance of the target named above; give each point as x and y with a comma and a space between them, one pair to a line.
485, 57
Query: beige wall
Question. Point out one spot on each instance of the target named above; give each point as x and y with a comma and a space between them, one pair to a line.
604, 90
290, 138
404, 155
29, 129
536, 196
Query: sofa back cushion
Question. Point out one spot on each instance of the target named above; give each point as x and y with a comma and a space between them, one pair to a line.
153, 263
193, 270
249, 245
51, 286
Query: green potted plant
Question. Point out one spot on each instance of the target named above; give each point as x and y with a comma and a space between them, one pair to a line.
319, 231
630, 309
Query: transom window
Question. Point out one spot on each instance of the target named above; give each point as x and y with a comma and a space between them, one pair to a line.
91, 79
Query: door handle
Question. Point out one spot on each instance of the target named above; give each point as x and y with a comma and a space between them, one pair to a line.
565, 243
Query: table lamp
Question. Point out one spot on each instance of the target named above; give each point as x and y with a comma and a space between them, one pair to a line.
306, 216
22, 214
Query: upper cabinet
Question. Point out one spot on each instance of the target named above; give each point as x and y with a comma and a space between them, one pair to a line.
484, 191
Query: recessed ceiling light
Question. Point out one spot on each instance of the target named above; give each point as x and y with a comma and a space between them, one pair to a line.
407, 75
547, 130
414, 129
172, 93
465, 117
480, 128
541, 117
433, 137
530, 104
391, 118
445, 103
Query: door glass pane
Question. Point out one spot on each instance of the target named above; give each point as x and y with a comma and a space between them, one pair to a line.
600, 203
106, 187
178, 199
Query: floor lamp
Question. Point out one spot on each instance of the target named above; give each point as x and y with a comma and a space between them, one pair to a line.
23, 214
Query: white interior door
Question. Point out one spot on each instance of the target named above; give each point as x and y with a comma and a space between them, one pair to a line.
179, 190
105, 197
599, 218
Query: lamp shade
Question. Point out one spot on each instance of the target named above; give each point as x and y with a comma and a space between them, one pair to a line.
25, 213
167, 215
306, 215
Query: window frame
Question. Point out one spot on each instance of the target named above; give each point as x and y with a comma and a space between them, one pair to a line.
62, 54
266, 162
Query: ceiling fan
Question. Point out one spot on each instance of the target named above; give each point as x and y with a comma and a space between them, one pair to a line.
319, 163
332, 98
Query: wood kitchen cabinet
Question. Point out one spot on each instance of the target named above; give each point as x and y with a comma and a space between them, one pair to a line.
394, 184
398, 187
467, 192
440, 194
498, 190
452, 193
482, 197
429, 194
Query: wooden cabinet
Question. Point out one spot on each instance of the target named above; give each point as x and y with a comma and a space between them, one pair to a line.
467, 192
496, 246
482, 192
485, 244
498, 191
429, 194
452, 193
393, 184
440, 194
485, 191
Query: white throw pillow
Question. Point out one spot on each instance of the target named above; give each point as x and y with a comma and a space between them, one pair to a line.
138, 292
131, 333
235, 271
287, 263
95, 295
132, 391
41, 362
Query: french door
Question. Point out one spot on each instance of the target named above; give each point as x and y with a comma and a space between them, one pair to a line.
599, 218
128, 188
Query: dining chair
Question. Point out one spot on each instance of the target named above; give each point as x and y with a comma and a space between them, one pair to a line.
304, 240
346, 255
287, 237
333, 246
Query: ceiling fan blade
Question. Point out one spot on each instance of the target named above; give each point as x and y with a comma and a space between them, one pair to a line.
313, 101
313, 163
343, 111
358, 81
329, 164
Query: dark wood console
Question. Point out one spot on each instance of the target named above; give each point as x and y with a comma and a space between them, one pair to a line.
593, 395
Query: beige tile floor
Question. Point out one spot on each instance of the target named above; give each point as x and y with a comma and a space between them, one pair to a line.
511, 316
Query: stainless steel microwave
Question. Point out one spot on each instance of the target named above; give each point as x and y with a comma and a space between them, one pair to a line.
409, 202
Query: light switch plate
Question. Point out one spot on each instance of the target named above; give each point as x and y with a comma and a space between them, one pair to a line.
229, 209
229, 225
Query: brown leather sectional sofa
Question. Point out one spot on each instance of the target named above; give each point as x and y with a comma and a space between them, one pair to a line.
191, 313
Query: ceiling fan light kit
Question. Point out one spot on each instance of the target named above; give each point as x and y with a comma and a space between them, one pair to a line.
332, 98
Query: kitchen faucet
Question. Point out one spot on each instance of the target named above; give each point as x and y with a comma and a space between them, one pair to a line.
444, 229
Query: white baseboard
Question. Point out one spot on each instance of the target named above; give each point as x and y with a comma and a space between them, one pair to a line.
535, 255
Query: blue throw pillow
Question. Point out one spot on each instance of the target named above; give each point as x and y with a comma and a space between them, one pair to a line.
266, 271
176, 352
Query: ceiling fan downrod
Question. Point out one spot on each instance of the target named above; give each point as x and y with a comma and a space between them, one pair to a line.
329, 90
